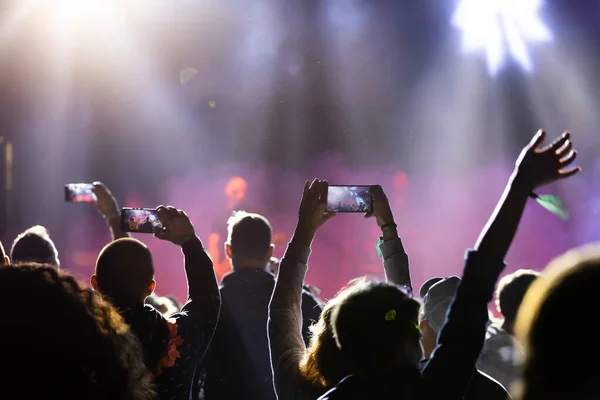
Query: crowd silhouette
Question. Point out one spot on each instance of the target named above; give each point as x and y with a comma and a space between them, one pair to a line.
262, 334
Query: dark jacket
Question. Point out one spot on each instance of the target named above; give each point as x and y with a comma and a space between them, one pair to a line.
174, 348
238, 365
448, 372
482, 387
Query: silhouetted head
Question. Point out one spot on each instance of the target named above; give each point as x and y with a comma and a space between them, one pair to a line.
65, 342
125, 273
511, 292
249, 241
35, 245
437, 295
235, 190
376, 328
558, 318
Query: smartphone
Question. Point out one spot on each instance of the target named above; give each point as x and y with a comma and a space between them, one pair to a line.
80, 193
140, 220
347, 199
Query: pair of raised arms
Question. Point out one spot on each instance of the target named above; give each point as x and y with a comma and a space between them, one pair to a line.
536, 166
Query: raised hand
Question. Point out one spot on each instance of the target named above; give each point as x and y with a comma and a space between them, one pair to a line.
538, 166
312, 214
106, 204
177, 225
381, 207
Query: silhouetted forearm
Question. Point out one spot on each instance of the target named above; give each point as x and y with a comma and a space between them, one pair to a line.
395, 262
498, 234
203, 292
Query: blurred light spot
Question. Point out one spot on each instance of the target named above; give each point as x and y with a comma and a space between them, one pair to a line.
212, 104
186, 75
501, 28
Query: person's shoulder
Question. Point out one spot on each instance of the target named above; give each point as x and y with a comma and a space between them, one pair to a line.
486, 387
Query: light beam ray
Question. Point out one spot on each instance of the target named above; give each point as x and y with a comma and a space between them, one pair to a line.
501, 28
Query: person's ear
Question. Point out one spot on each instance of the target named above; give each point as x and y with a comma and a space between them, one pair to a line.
94, 282
271, 248
228, 251
150, 288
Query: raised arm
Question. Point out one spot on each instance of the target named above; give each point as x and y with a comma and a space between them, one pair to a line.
107, 206
204, 299
462, 336
395, 260
285, 310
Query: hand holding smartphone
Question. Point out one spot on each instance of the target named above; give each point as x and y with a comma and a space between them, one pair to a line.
80, 193
349, 199
140, 220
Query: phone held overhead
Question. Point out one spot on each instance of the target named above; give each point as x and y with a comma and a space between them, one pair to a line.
349, 199
140, 220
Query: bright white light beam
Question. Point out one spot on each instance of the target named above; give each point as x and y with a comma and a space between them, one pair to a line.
501, 28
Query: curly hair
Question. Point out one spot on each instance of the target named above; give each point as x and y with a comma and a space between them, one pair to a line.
65, 342
324, 364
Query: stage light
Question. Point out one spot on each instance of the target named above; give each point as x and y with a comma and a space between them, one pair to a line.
501, 28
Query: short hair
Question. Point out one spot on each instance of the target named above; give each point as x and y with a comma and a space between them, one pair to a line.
372, 322
249, 236
511, 291
124, 270
35, 245
553, 320
66, 340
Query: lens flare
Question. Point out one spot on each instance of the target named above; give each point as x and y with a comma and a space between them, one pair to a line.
186, 75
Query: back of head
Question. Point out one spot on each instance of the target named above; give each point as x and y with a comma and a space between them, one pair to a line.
124, 271
511, 292
249, 236
437, 299
552, 325
65, 342
34, 245
376, 328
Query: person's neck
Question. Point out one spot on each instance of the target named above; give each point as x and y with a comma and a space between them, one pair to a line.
427, 353
249, 264
428, 346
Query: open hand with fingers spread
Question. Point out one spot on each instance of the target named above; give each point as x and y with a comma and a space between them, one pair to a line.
312, 214
538, 166
177, 225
